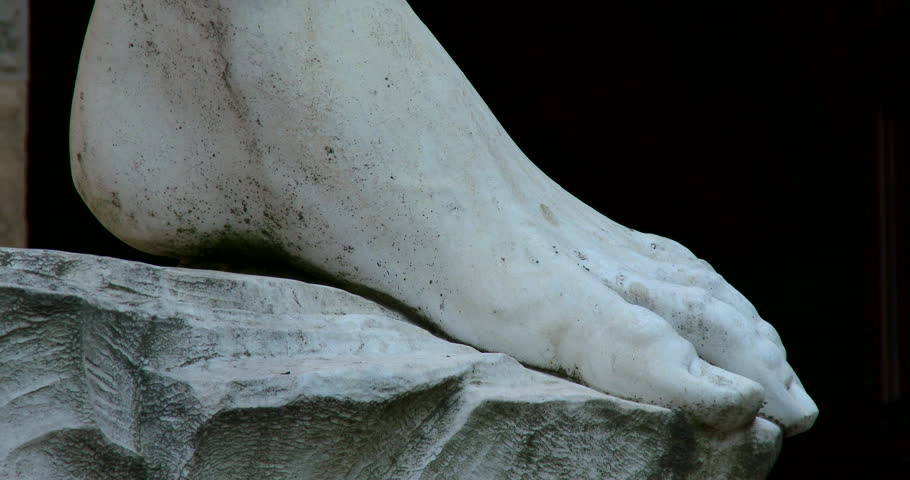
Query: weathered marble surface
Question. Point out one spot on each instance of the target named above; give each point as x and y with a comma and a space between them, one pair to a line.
112, 369
340, 138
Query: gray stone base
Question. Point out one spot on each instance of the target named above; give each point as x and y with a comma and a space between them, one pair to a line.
119, 370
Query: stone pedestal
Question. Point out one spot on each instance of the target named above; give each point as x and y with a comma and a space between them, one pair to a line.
118, 370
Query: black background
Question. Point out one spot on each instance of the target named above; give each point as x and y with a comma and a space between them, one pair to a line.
748, 132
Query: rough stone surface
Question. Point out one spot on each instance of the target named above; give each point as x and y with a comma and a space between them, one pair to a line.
340, 138
119, 370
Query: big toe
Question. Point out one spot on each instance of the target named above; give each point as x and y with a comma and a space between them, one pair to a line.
735, 341
641, 357
789, 406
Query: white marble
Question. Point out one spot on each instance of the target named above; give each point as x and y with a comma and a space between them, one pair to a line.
120, 370
340, 138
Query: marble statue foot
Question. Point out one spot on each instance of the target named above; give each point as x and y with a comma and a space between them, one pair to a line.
339, 137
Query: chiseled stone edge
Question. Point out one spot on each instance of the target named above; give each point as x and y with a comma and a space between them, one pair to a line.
438, 410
